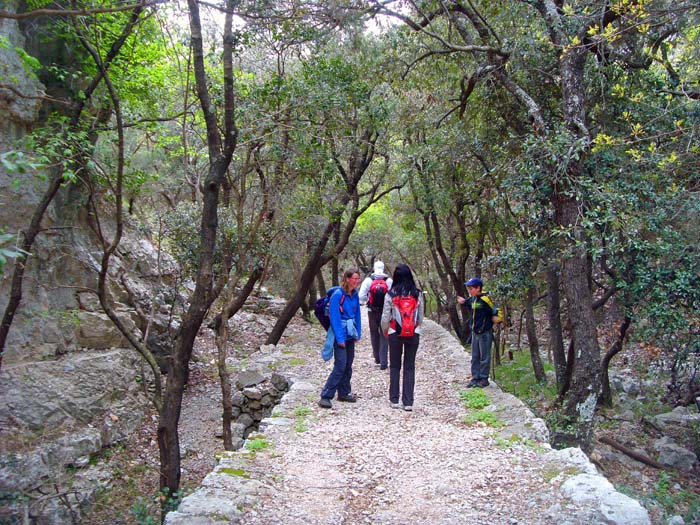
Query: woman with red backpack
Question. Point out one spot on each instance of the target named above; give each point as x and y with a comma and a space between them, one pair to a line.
402, 316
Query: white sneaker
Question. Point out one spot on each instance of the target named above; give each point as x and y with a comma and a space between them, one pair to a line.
408, 408
395, 405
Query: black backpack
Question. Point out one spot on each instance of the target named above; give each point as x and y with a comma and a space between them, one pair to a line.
322, 304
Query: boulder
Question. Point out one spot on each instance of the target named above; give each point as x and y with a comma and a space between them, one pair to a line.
614, 508
673, 455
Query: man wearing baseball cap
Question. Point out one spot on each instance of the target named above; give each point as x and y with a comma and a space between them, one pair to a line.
483, 313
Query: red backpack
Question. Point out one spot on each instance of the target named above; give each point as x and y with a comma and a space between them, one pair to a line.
377, 291
407, 306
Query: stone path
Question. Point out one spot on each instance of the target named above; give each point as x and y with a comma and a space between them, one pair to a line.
365, 462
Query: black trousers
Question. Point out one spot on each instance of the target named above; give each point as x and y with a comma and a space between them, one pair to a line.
402, 349
380, 345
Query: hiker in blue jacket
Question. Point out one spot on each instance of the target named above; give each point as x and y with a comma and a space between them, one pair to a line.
347, 327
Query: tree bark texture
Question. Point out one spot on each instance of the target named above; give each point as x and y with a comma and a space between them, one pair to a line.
225, 382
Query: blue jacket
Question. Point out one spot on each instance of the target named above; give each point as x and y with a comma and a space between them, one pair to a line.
328, 347
351, 310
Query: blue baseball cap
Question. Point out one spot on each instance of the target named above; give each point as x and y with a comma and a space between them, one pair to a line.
474, 281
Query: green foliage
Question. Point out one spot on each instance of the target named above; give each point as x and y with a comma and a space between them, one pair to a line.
518, 378
483, 416
29, 63
672, 499
300, 425
257, 443
474, 398
55, 146
508, 442
37, 4
239, 472
302, 411
8, 251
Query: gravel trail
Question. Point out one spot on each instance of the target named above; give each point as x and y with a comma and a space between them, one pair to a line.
366, 462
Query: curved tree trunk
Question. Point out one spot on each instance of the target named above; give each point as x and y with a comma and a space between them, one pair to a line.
556, 337
605, 397
359, 159
532, 336
308, 274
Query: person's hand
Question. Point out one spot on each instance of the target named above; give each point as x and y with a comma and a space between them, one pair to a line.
496, 319
341, 345
461, 300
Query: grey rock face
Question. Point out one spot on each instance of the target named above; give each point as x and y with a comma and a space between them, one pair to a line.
19, 112
91, 400
674, 455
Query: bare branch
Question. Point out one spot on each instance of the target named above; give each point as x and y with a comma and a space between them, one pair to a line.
76, 13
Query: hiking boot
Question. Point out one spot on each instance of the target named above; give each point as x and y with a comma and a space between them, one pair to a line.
408, 408
350, 398
383, 367
482, 383
473, 383
325, 403
395, 405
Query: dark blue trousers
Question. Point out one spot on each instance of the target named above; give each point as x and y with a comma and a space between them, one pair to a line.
340, 376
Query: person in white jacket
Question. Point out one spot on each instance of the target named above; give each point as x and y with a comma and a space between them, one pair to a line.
380, 344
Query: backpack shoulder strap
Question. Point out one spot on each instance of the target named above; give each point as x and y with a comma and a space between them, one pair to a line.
487, 300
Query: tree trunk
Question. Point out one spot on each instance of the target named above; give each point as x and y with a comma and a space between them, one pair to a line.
225, 382
308, 274
531, 329
169, 420
497, 345
359, 161
569, 372
322, 289
556, 337
29, 235
605, 397
585, 385
220, 153
221, 327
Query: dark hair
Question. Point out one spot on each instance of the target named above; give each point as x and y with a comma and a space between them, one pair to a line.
346, 276
402, 282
